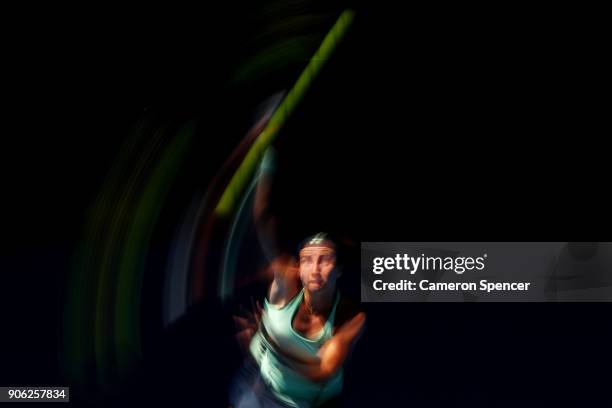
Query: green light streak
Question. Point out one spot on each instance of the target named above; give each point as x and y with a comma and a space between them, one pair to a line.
282, 113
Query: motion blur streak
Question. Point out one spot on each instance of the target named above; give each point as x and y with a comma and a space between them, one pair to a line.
102, 337
106, 282
247, 167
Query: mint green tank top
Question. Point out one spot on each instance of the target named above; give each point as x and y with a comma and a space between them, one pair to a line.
286, 383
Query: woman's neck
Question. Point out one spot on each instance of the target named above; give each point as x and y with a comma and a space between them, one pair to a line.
319, 302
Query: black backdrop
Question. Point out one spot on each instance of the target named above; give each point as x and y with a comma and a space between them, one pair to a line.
428, 123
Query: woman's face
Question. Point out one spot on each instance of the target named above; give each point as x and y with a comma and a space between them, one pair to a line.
317, 267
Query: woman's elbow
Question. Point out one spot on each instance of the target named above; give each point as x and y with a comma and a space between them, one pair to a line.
323, 374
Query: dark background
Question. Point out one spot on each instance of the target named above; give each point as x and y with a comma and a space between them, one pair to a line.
438, 123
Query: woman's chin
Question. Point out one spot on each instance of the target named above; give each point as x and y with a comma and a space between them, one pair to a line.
314, 286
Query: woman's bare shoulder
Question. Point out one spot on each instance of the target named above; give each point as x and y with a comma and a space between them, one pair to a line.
285, 280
